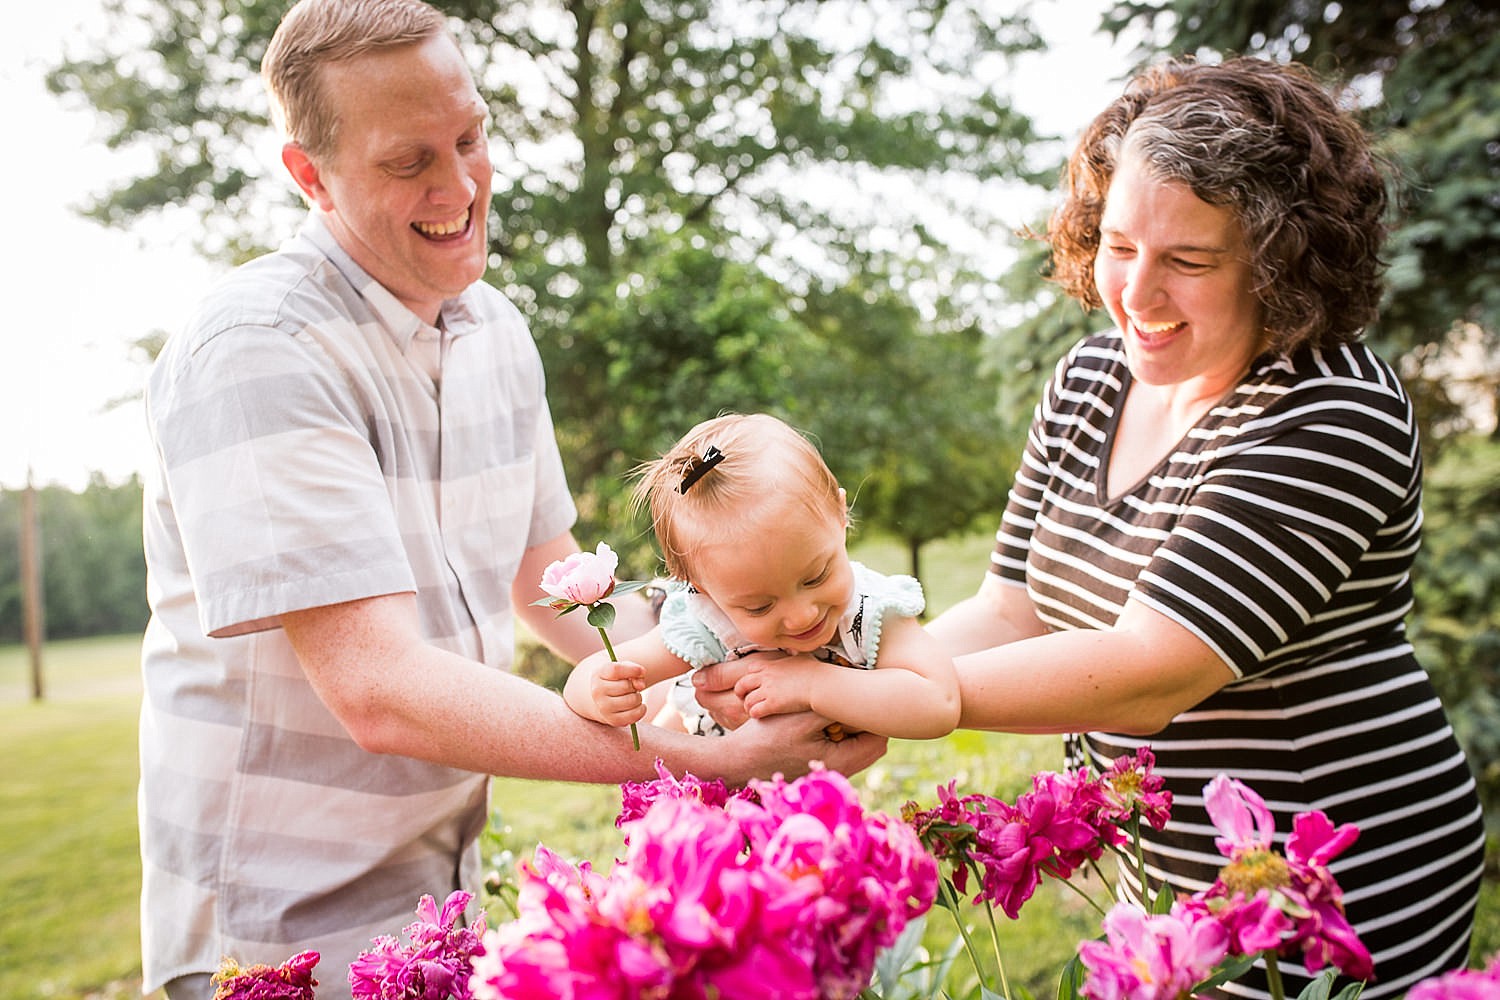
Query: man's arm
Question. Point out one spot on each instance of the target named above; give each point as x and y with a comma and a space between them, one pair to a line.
396, 694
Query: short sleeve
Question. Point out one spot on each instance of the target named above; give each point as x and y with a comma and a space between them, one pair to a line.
882, 596
684, 632
278, 495
1308, 523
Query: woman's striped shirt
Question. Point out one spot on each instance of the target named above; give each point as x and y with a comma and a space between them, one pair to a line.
1281, 530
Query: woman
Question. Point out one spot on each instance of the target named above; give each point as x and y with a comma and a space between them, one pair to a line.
1207, 546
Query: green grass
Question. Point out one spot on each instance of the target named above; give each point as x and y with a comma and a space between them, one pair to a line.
69, 855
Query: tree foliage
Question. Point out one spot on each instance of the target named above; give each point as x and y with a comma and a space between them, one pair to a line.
678, 182
93, 568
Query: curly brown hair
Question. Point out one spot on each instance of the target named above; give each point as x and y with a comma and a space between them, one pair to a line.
1270, 143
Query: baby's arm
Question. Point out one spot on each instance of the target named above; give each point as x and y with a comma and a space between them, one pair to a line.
611, 691
912, 694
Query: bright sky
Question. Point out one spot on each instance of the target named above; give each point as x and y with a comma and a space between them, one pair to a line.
83, 293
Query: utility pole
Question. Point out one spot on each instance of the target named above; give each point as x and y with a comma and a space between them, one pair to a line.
31, 584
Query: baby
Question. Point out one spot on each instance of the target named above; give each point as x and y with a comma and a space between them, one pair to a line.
752, 528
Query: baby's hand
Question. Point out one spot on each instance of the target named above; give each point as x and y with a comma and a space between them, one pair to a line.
778, 686
616, 689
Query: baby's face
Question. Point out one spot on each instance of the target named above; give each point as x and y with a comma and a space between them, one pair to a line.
784, 584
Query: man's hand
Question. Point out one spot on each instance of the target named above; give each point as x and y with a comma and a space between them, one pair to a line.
788, 744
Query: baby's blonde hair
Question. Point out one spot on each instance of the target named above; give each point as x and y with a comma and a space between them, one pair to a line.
764, 461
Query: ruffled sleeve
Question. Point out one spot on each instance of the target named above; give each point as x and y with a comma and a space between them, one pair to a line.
897, 595
684, 632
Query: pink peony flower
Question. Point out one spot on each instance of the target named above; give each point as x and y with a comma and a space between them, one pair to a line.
1151, 957
790, 893
584, 578
435, 965
291, 980
1258, 883
1131, 788
1240, 815
636, 797
1462, 984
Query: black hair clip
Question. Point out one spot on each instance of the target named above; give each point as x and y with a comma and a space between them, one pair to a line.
695, 468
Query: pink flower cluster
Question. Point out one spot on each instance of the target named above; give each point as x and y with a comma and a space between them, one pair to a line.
434, 965
636, 797
1151, 957
1290, 904
291, 980
1262, 901
1465, 984
789, 893
1065, 821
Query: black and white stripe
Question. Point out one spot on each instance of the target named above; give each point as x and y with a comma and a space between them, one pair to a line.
1280, 530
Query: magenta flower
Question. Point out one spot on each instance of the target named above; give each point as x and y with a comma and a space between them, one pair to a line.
791, 896
636, 797
1063, 822
435, 965
1068, 812
1130, 788
1462, 984
291, 980
1151, 957
1289, 904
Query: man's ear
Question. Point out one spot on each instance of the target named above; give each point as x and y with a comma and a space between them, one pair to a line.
305, 172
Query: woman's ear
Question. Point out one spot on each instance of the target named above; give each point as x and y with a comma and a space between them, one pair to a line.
844, 503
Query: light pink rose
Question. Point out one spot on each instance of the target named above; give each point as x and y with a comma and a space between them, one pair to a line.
583, 578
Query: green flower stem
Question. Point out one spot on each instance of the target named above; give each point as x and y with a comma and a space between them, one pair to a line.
1109, 887
635, 735
1134, 826
989, 911
1273, 976
951, 896
1086, 897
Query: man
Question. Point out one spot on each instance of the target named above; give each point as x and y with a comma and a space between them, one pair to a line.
357, 490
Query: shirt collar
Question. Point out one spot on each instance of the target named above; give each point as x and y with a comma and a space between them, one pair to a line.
456, 316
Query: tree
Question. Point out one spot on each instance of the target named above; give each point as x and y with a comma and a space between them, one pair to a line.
785, 135
906, 416
94, 583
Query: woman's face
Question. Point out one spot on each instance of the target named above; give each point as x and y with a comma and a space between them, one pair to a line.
1174, 274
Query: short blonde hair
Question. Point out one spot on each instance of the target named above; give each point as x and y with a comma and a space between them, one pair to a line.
315, 33
765, 461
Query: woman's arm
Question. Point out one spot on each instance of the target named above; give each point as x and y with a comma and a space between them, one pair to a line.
1133, 678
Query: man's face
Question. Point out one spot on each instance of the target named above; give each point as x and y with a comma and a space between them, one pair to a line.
406, 190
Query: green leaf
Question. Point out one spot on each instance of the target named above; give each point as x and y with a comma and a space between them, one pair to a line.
602, 615
1070, 984
1229, 969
